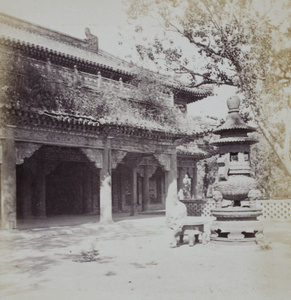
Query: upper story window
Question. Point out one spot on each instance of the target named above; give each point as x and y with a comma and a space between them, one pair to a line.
233, 156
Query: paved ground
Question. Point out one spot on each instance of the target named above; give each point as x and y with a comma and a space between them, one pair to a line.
131, 259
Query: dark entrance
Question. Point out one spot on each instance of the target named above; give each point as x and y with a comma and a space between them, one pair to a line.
57, 181
69, 189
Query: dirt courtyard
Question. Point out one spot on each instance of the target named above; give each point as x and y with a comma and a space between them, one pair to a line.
131, 259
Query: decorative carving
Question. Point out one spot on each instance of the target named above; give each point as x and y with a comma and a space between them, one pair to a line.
56, 137
63, 153
116, 157
140, 145
91, 40
94, 155
140, 170
24, 150
185, 162
152, 170
164, 161
148, 161
223, 167
236, 187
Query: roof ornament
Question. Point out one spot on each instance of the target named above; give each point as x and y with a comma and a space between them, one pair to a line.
91, 41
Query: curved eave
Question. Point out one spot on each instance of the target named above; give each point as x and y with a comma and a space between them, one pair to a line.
223, 129
190, 95
83, 124
234, 140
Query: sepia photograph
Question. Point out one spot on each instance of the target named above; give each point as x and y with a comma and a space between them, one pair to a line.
145, 149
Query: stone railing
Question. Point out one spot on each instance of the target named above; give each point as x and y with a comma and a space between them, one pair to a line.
271, 209
199, 207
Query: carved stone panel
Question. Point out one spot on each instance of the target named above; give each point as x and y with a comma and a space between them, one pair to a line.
24, 150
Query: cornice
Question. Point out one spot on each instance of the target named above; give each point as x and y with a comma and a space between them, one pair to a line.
80, 124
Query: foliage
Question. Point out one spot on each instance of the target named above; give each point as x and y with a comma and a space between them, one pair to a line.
90, 255
44, 89
272, 182
245, 44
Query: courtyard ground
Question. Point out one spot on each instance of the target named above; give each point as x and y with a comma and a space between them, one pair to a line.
131, 259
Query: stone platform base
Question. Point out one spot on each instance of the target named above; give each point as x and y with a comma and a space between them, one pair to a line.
240, 231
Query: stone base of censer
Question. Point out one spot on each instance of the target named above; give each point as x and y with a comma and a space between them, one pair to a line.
236, 225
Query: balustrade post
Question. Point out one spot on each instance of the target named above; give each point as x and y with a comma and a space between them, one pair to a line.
99, 80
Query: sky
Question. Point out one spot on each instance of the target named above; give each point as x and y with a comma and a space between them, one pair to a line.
105, 18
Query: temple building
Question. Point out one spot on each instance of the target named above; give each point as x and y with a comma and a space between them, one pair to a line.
61, 152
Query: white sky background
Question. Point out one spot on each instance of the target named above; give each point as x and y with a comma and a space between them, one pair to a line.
105, 18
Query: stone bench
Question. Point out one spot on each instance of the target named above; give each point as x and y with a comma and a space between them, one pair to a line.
193, 228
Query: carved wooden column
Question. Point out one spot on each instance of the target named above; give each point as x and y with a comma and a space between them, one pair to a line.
105, 185
133, 211
95, 192
181, 174
26, 192
172, 179
8, 184
40, 189
25, 150
146, 188
194, 182
116, 158
87, 192
95, 156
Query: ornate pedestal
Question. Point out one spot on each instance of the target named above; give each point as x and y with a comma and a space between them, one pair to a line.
236, 225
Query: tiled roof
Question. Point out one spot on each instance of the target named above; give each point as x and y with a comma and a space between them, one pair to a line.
234, 122
61, 43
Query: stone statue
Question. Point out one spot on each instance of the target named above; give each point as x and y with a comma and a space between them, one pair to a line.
176, 216
91, 40
217, 197
253, 195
